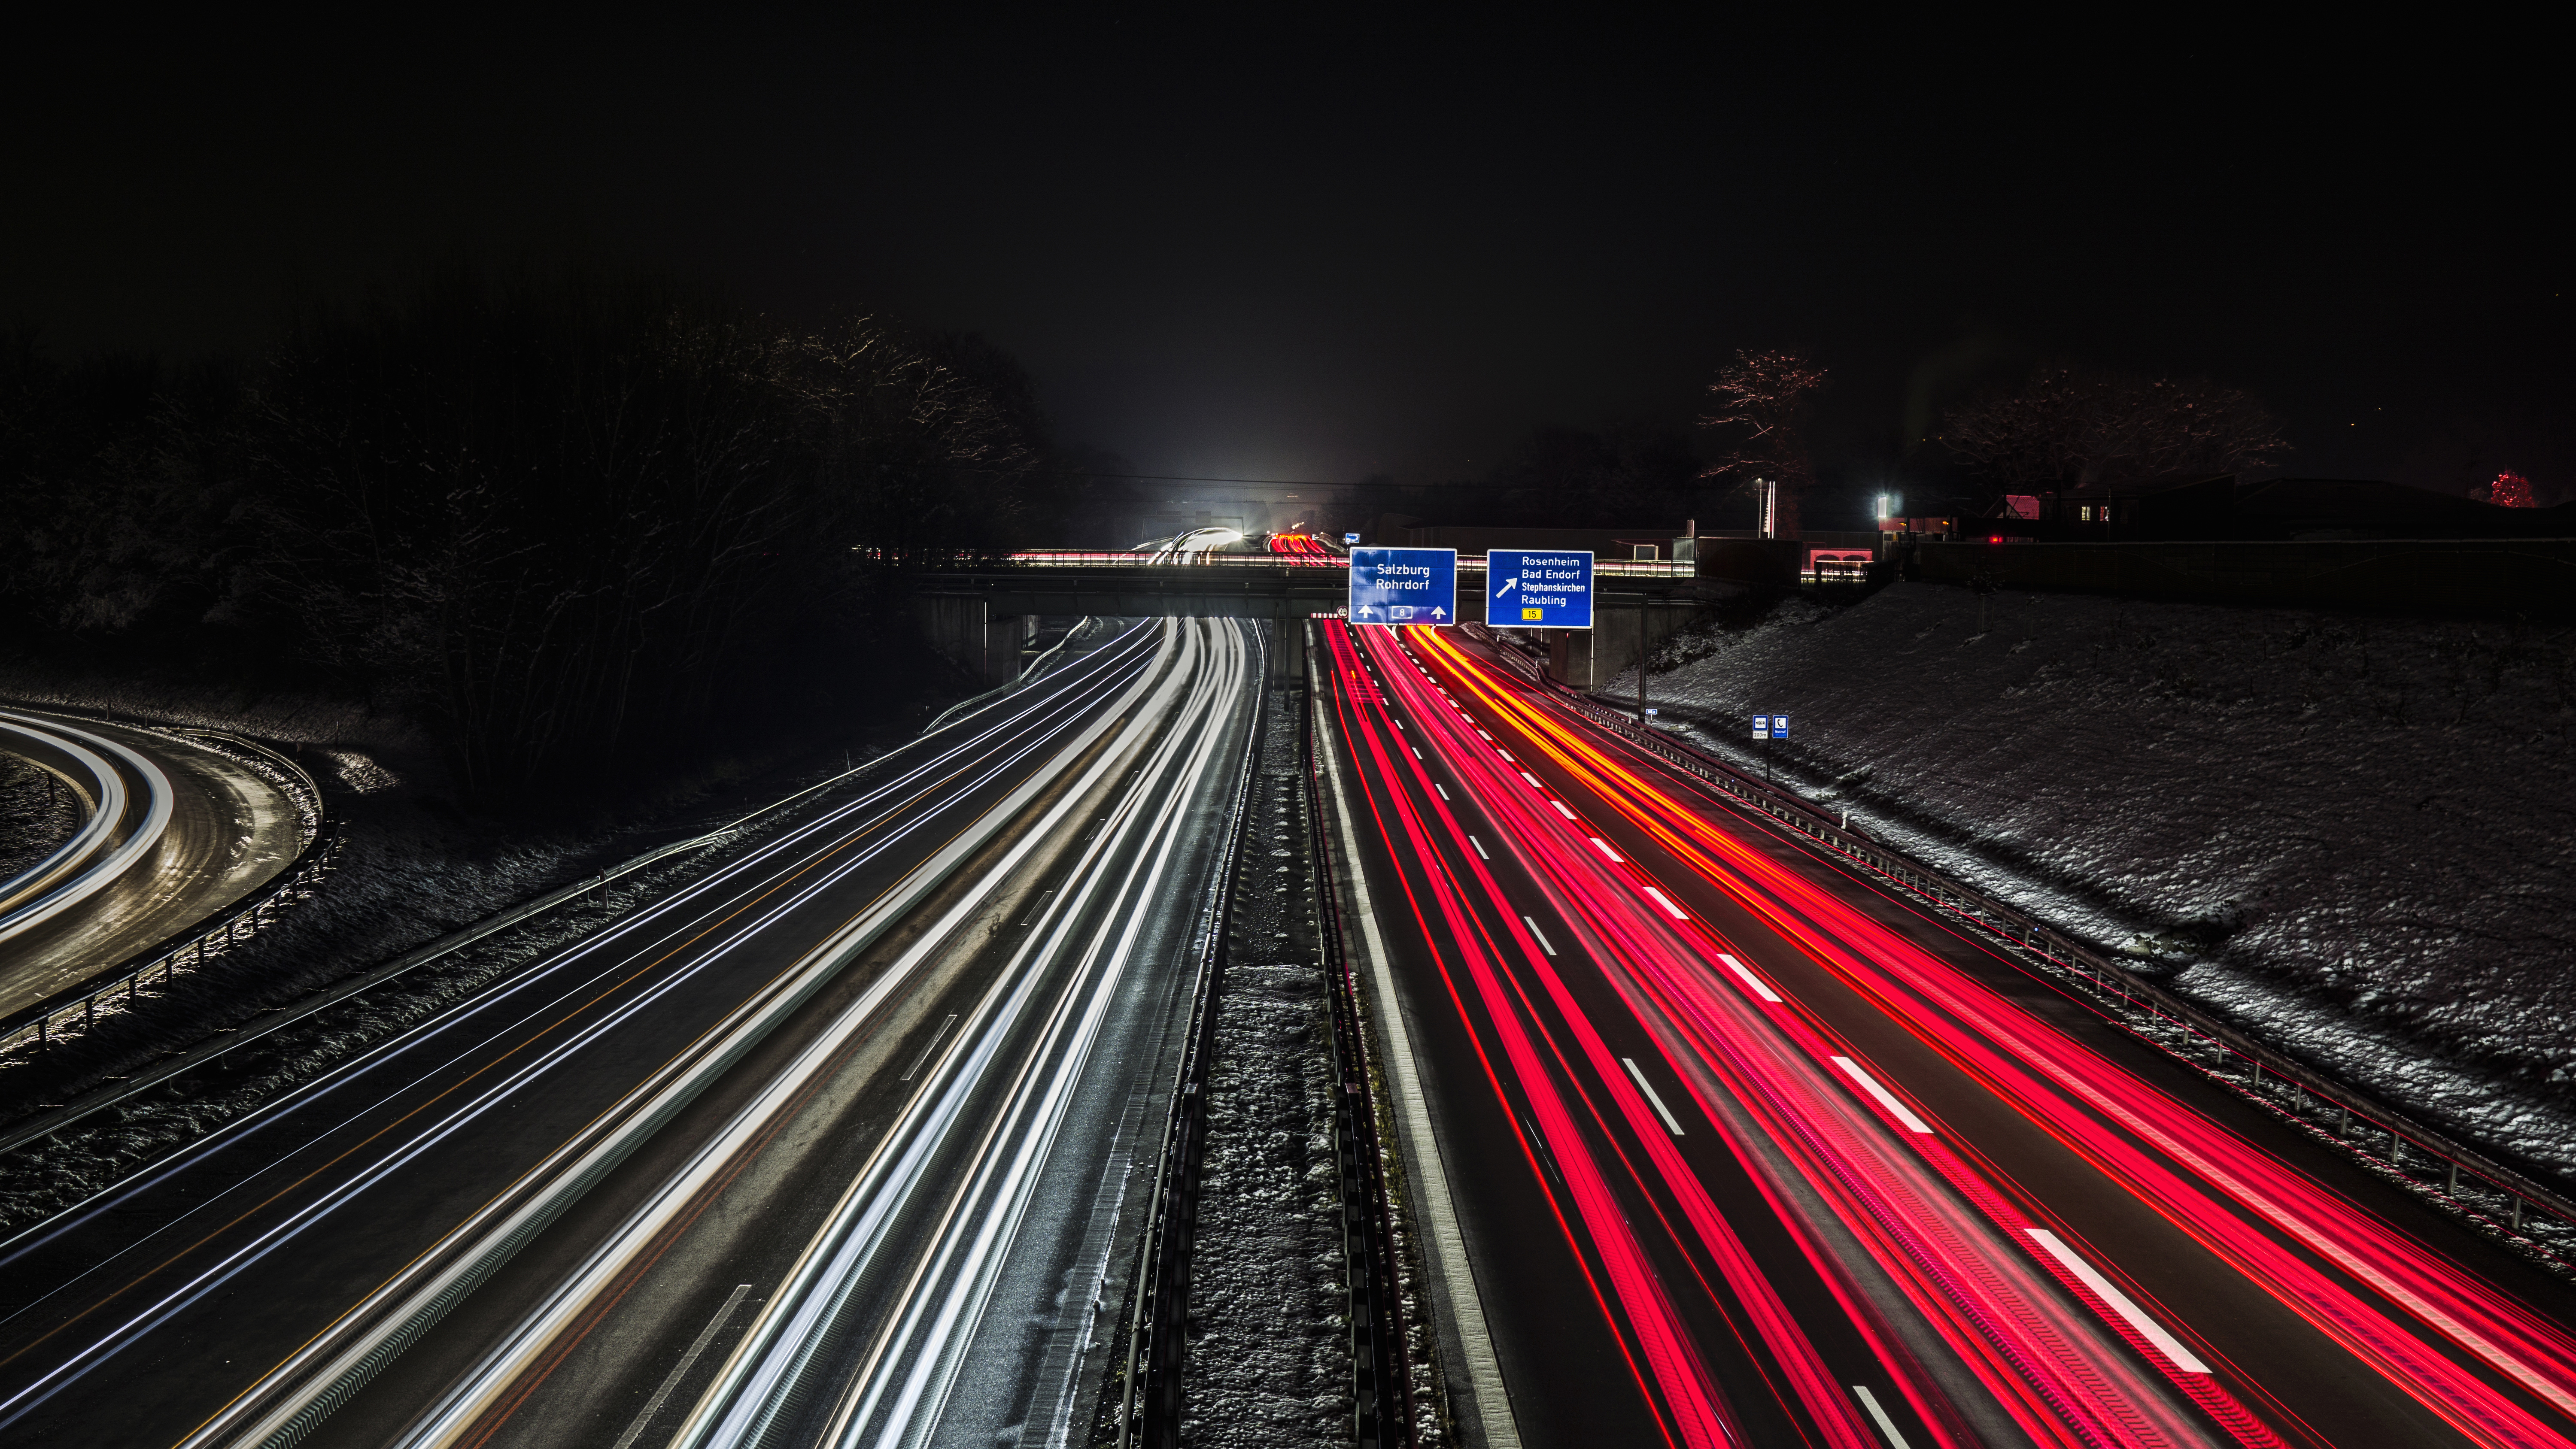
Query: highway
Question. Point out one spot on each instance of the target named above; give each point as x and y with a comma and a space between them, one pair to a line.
174, 830
1744, 1150
834, 1144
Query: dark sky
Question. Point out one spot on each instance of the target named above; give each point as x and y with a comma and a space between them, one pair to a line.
1322, 252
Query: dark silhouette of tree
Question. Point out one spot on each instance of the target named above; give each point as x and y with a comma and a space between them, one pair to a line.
2082, 425
576, 524
1762, 399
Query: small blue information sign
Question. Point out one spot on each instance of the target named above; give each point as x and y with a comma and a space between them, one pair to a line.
1779, 726
1350, 538
1528, 588
1762, 726
1404, 586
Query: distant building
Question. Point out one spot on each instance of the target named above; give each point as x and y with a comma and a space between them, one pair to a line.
2217, 509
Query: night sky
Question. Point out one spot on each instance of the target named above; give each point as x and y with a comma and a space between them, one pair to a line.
1320, 253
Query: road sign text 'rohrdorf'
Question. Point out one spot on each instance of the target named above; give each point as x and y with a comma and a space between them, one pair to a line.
1404, 586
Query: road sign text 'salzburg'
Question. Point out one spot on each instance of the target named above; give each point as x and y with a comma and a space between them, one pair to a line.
1531, 589
1404, 586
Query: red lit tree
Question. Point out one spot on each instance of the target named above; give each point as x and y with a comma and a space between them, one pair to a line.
1762, 397
2510, 490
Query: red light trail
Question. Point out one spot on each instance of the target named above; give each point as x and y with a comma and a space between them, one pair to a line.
1852, 1164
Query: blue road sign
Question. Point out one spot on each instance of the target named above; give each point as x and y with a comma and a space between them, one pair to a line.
1762, 726
1779, 726
1404, 586
1530, 588
1350, 538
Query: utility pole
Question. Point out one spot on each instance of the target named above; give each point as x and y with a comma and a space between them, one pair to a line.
1642, 601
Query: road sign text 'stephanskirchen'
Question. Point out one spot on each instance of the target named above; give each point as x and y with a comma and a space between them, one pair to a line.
1538, 589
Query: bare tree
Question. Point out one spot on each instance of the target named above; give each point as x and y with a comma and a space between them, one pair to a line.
1763, 397
2082, 425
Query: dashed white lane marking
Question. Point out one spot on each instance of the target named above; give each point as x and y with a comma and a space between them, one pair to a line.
1885, 1097
1676, 912
1480, 847
1759, 987
1507, 756
2109, 1292
1542, 935
1561, 810
1417, 754
1533, 779
1489, 739
1606, 850
1886, 1425
1436, 785
1649, 1089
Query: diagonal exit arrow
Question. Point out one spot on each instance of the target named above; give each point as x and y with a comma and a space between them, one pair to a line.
1508, 586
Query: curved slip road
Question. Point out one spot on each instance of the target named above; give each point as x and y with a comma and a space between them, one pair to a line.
1747, 1152
176, 832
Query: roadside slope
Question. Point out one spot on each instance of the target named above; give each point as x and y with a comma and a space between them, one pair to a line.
2351, 833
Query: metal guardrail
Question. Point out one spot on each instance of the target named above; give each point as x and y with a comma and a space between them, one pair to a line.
1383, 1408
1468, 563
75, 1010
2457, 1177
233, 1039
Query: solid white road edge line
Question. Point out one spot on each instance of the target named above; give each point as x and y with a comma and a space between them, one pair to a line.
1885, 1097
1431, 1177
2109, 1292
1649, 1089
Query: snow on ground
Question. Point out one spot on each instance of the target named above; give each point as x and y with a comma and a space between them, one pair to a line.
1269, 1361
416, 866
37, 814
2350, 834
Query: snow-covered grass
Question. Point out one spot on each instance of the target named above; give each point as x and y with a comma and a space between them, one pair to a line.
416, 866
36, 815
2350, 834
1270, 1356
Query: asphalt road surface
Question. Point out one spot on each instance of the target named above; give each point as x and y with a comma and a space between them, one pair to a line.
193, 831
835, 1137
1743, 1149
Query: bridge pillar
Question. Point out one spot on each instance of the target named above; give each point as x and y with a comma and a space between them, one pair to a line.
1288, 649
1570, 658
968, 634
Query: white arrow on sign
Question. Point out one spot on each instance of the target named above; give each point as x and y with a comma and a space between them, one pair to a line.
1439, 613
1508, 586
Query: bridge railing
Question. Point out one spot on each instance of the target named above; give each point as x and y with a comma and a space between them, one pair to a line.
1467, 563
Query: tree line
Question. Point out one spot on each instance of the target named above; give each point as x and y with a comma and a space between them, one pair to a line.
571, 522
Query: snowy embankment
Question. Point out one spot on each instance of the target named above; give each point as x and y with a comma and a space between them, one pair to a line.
417, 865
2352, 835
36, 815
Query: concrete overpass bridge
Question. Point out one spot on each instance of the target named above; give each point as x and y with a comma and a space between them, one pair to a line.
985, 618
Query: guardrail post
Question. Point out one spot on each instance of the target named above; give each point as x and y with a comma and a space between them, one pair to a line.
2451, 1183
